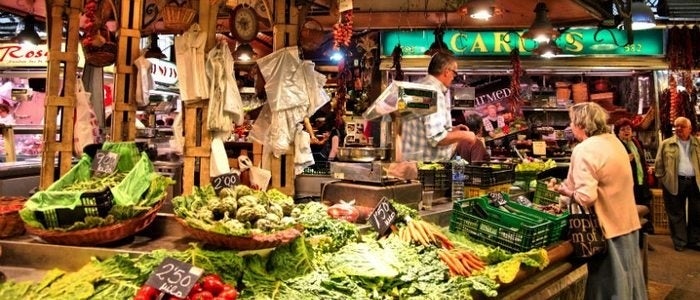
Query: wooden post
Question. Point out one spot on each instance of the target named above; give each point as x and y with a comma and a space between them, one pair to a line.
197, 138
8, 134
129, 48
60, 94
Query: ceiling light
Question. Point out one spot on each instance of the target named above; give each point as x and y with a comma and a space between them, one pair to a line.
153, 49
642, 16
480, 9
28, 35
244, 53
541, 29
547, 50
438, 44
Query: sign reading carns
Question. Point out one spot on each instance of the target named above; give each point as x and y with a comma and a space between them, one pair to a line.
573, 42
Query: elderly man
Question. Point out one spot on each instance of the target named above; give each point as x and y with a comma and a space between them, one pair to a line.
677, 165
432, 137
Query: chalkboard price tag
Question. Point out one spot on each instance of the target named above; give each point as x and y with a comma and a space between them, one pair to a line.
174, 277
382, 216
104, 163
225, 180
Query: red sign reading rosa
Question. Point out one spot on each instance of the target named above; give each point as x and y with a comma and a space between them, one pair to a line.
12, 55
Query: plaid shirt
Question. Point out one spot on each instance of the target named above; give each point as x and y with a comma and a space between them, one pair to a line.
421, 135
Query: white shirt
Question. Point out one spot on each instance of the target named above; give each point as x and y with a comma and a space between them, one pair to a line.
685, 168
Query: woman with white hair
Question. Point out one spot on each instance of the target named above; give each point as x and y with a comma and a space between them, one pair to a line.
600, 176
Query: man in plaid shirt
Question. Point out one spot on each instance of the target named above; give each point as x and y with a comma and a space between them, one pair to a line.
432, 137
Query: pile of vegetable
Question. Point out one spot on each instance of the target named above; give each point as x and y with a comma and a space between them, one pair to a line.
238, 211
209, 287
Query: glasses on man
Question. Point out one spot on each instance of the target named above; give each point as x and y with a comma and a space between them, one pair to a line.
454, 72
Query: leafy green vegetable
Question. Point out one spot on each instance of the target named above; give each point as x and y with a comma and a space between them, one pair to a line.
291, 260
327, 234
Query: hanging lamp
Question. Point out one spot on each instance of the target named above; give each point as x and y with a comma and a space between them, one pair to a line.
642, 16
153, 50
480, 9
28, 35
547, 50
541, 29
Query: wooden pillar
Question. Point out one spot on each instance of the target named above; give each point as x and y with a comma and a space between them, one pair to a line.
60, 94
129, 48
197, 146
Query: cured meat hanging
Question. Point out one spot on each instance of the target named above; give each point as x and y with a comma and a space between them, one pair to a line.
674, 103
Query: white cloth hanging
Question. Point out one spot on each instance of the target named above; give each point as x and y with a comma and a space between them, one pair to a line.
189, 53
144, 81
303, 157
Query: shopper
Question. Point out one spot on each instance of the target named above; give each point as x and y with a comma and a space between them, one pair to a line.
636, 153
432, 137
599, 176
677, 166
473, 150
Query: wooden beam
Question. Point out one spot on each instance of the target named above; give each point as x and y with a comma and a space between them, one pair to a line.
129, 49
66, 66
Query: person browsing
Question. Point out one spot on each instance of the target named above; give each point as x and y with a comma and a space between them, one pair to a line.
600, 176
677, 165
432, 137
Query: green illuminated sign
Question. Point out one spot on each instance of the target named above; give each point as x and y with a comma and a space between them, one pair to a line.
577, 41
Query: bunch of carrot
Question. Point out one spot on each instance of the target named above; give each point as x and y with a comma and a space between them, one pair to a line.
424, 233
461, 262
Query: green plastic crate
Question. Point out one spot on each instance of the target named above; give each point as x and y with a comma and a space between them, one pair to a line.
498, 229
559, 224
543, 195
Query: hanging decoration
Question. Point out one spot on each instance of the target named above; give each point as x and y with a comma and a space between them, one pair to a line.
342, 31
515, 82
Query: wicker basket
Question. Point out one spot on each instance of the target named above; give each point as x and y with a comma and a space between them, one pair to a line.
178, 18
312, 34
10, 222
259, 241
104, 55
98, 235
648, 119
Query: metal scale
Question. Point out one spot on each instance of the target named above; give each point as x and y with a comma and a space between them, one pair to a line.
364, 178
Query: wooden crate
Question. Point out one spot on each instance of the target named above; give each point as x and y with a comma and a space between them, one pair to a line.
658, 211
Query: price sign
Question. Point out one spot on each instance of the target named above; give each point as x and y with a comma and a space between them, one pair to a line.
344, 5
225, 180
382, 216
104, 163
539, 148
174, 277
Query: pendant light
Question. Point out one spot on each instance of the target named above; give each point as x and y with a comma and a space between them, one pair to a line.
642, 16
153, 49
541, 29
438, 44
28, 35
547, 50
244, 53
480, 9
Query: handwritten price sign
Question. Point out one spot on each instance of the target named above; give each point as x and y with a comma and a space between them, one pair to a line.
224, 181
382, 216
104, 163
174, 277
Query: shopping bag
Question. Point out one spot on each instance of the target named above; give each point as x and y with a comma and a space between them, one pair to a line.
85, 129
585, 232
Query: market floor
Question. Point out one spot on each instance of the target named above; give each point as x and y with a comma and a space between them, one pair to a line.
678, 272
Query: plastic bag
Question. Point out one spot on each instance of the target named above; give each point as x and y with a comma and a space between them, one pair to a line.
144, 82
85, 129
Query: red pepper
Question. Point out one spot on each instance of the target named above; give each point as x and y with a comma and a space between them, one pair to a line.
147, 292
213, 284
203, 295
229, 293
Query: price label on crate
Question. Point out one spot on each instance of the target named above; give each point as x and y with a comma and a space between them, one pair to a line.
104, 163
225, 180
382, 216
174, 277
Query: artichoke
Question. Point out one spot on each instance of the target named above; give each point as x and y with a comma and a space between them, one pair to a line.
248, 200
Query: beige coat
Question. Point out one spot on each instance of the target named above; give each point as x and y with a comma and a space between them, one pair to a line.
601, 176
666, 163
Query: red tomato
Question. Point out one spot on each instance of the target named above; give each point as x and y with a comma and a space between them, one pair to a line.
213, 284
203, 295
196, 288
229, 293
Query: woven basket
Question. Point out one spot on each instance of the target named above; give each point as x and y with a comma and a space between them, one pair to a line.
101, 56
648, 119
312, 34
10, 222
580, 92
98, 235
178, 18
259, 241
